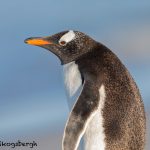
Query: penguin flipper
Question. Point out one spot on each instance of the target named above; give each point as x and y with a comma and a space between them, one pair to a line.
82, 112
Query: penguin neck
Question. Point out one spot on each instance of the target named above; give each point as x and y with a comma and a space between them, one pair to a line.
73, 82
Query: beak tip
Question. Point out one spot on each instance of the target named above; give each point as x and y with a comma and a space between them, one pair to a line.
27, 40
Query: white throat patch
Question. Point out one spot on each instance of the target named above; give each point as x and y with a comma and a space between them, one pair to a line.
72, 78
69, 36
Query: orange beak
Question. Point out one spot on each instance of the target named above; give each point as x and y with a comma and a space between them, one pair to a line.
37, 41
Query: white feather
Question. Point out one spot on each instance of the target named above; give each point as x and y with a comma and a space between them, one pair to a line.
69, 36
84, 129
72, 78
94, 135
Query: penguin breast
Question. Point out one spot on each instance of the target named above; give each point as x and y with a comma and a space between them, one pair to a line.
72, 78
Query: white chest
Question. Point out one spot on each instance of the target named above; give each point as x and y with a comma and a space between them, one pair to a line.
94, 134
72, 78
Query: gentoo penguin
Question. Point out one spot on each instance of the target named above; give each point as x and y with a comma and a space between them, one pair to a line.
109, 112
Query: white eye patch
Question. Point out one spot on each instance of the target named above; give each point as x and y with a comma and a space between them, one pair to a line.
69, 36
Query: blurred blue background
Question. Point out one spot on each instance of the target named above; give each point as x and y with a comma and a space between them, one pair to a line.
33, 104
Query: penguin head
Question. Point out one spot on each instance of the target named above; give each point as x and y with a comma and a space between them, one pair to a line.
68, 46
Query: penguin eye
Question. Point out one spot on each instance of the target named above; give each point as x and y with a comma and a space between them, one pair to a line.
62, 43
